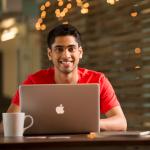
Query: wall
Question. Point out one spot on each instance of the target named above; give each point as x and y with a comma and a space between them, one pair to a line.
8, 50
117, 43
21, 56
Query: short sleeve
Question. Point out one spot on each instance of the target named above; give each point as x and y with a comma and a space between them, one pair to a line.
15, 98
108, 98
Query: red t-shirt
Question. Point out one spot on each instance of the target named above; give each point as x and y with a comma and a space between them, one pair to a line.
108, 98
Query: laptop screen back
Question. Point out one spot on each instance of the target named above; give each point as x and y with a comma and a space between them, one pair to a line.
61, 108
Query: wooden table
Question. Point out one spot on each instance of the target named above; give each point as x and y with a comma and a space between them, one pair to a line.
73, 142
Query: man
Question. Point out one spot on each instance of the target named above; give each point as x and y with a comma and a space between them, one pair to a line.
65, 52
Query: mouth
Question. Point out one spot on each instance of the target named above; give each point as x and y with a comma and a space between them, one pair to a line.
65, 62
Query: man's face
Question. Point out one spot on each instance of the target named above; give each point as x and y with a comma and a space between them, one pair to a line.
65, 53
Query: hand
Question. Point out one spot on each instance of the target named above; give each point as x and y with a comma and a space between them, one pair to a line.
115, 120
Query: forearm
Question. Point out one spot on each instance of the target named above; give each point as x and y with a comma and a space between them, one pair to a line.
114, 123
1, 127
13, 108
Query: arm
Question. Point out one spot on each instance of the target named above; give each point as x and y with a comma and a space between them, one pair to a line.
1, 128
115, 120
13, 108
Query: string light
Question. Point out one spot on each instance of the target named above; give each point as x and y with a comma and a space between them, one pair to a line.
43, 14
63, 8
137, 50
112, 2
137, 67
37, 26
133, 14
60, 3
47, 4
43, 27
40, 20
42, 8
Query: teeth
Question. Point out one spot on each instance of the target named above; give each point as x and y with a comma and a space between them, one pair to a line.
65, 62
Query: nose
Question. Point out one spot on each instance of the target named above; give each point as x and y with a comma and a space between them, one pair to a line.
66, 53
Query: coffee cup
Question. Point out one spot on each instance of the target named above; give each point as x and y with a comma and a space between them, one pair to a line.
13, 124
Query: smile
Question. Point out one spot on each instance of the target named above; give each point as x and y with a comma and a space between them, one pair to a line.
65, 62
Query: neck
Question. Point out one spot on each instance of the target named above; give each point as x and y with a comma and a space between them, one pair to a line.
66, 78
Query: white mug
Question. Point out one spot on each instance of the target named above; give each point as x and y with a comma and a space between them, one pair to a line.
13, 123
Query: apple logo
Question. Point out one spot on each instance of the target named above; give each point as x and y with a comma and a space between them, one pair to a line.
60, 109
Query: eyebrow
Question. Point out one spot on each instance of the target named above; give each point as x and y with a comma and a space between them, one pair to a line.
71, 45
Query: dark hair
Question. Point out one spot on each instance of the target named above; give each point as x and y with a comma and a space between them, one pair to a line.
62, 30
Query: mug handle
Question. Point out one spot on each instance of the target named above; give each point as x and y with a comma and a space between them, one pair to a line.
28, 116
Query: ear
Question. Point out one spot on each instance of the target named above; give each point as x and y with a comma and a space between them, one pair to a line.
49, 53
81, 52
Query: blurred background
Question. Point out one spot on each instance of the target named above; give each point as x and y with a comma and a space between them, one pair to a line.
116, 41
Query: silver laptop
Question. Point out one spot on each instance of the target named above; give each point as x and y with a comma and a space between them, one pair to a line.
61, 108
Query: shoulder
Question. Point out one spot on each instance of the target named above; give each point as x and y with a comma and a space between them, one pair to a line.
42, 72
91, 75
42, 76
85, 71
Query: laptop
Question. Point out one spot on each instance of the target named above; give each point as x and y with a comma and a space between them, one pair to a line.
61, 108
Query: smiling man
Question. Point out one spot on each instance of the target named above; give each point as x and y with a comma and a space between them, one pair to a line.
65, 54
65, 51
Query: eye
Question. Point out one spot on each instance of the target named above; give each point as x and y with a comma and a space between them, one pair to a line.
59, 49
72, 49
